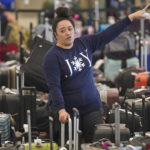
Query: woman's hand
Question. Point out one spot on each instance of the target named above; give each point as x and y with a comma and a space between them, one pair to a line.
139, 14
63, 116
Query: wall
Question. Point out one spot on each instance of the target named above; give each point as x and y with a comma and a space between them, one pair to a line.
25, 18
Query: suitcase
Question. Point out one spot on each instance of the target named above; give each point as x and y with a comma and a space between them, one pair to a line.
125, 75
142, 79
16, 104
8, 76
104, 141
108, 130
40, 145
142, 139
73, 142
4, 127
27, 101
126, 117
7, 49
10, 104
108, 95
142, 107
7, 146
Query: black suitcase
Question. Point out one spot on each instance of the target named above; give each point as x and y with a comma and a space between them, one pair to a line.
142, 108
16, 104
142, 138
50, 145
28, 101
8, 76
126, 119
106, 133
10, 104
110, 131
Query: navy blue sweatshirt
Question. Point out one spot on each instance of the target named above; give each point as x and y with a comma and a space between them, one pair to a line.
68, 72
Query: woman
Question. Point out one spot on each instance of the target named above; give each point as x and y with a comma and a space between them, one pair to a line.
68, 69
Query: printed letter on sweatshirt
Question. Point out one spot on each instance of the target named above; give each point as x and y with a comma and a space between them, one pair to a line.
86, 57
67, 61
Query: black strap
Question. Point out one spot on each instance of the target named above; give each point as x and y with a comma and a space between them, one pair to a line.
124, 63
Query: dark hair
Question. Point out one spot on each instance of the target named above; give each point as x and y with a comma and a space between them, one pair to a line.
63, 13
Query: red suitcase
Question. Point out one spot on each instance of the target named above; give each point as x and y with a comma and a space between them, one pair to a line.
142, 79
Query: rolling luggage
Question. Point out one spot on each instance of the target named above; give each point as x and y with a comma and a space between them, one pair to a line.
126, 117
27, 101
8, 76
142, 108
16, 104
108, 95
108, 130
38, 144
142, 139
3, 145
4, 127
73, 139
103, 138
125, 75
142, 79
10, 104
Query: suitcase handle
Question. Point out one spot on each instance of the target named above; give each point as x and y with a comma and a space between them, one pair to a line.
70, 133
31, 89
73, 144
76, 128
63, 134
51, 132
117, 124
143, 114
0, 139
29, 129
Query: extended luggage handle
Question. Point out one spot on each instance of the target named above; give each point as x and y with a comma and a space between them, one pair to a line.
143, 114
29, 129
63, 134
73, 143
31, 89
20, 78
116, 107
0, 139
76, 128
51, 132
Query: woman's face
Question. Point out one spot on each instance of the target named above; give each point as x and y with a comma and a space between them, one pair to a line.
65, 33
